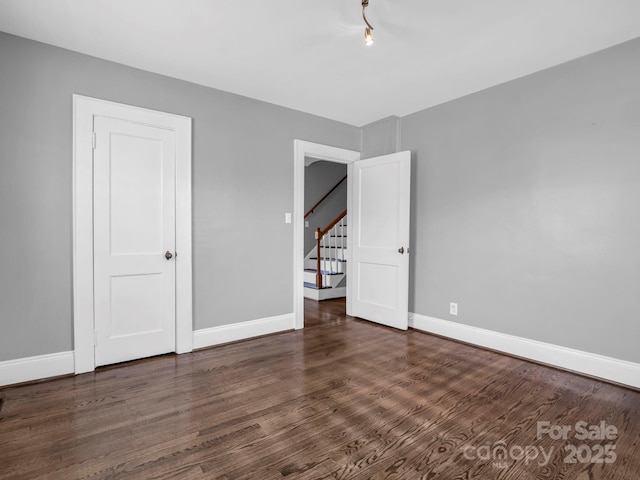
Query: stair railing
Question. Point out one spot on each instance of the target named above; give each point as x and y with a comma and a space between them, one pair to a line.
335, 229
325, 197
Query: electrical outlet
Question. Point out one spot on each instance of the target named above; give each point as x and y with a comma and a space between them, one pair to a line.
306, 224
453, 308
287, 218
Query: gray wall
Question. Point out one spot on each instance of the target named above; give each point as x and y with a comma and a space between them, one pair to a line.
242, 186
524, 198
319, 178
526, 201
380, 138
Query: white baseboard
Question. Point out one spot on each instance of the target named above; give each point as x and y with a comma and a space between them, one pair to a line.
209, 337
62, 363
607, 368
36, 368
615, 370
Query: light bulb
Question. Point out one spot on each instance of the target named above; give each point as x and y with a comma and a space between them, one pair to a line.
368, 38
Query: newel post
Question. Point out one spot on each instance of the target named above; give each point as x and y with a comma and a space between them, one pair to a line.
318, 262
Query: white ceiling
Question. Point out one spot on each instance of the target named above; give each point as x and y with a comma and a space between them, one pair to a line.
310, 55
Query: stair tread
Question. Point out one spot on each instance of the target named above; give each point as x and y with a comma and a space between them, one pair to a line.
324, 272
313, 286
327, 258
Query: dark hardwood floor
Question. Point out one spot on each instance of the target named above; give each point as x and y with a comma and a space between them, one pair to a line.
341, 399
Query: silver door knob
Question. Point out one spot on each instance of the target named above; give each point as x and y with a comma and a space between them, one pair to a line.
168, 255
401, 250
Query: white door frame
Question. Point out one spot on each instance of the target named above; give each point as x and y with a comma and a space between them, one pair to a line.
317, 151
84, 110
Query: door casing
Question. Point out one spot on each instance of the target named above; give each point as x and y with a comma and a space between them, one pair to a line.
84, 110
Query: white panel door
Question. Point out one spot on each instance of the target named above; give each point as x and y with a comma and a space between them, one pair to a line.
379, 270
134, 236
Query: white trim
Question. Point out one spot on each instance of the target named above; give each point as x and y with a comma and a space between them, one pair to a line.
209, 337
35, 368
84, 110
325, 293
304, 149
607, 368
184, 229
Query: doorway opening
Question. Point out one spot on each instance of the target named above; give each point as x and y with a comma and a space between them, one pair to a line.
307, 153
325, 232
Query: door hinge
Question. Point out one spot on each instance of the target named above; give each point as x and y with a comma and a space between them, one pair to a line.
93, 140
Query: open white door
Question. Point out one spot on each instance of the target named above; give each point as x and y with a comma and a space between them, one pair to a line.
379, 257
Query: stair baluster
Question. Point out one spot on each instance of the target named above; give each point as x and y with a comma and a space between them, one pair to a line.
321, 242
342, 236
318, 258
324, 257
333, 252
342, 245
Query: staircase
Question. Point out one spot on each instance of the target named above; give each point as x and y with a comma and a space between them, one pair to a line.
329, 258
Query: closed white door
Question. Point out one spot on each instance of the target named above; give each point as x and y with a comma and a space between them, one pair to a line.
379, 270
134, 240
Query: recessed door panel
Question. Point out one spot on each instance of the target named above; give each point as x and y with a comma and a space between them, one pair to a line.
378, 284
136, 305
377, 198
136, 184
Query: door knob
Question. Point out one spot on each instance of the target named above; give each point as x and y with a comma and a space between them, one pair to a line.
401, 250
168, 255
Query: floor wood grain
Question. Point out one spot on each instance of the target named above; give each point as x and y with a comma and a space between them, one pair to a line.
341, 399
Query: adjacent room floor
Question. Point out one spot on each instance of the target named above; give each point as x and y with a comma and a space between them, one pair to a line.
341, 399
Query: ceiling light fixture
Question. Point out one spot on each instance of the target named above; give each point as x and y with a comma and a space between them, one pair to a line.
368, 37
